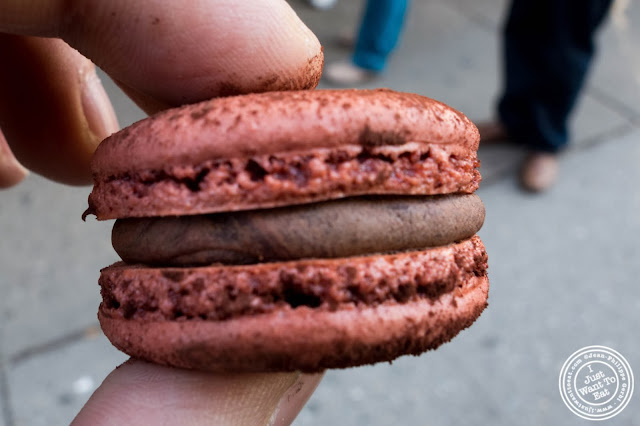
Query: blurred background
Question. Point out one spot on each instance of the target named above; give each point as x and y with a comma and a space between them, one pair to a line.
564, 265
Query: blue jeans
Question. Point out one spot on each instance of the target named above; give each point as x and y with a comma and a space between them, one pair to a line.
548, 48
380, 29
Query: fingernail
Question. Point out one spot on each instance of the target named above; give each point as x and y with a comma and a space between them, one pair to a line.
97, 108
294, 399
11, 171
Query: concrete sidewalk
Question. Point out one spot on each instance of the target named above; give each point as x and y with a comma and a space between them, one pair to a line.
564, 265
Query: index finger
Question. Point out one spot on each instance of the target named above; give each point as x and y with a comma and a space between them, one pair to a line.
177, 52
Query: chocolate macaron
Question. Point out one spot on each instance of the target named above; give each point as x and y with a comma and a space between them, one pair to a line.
291, 231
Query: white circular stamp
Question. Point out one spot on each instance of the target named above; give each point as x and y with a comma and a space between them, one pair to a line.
596, 383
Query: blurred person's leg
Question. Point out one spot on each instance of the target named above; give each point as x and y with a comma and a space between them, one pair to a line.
379, 32
548, 48
380, 28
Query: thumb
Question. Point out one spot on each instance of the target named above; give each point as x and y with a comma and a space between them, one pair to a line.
140, 393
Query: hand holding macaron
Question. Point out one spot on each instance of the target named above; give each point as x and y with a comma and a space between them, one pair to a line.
54, 112
162, 54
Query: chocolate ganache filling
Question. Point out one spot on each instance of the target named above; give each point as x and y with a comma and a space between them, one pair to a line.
340, 228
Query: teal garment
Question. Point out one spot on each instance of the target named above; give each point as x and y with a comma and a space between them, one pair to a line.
379, 32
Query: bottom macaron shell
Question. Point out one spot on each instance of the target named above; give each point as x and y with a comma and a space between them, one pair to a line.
303, 338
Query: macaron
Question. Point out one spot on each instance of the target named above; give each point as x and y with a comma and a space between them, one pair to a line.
286, 231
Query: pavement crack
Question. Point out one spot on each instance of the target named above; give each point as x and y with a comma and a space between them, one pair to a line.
5, 400
57, 343
472, 15
603, 137
619, 107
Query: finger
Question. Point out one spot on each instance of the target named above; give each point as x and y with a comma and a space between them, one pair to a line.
178, 54
53, 108
11, 171
147, 103
142, 393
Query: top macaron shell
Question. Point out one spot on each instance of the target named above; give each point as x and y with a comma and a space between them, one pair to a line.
199, 158
244, 126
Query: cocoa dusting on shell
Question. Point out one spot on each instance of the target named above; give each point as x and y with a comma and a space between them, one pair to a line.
281, 122
372, 138
200, 113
